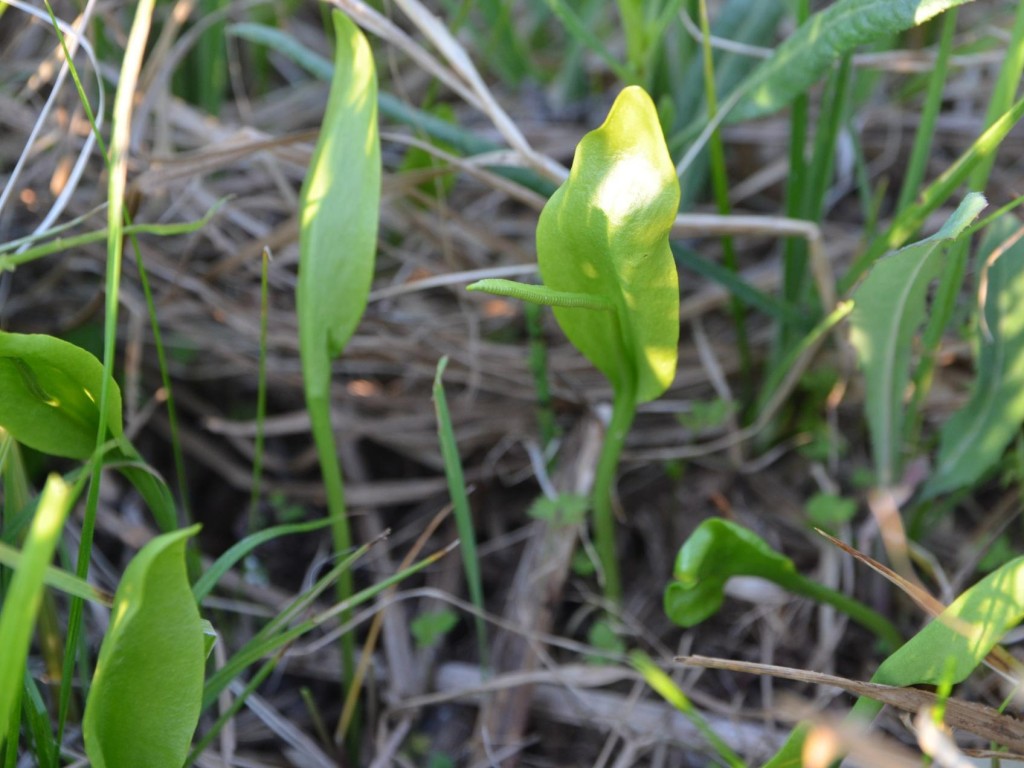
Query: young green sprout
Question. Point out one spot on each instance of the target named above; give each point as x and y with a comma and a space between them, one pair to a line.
608, 273
720, 549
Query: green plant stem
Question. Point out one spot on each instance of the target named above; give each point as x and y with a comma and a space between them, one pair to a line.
884, 629
319, 408
623, 413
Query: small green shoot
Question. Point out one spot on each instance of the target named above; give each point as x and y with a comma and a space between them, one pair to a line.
339, 211
428, 628
603, 253
720, 549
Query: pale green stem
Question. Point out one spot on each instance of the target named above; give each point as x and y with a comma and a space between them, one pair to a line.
623, 412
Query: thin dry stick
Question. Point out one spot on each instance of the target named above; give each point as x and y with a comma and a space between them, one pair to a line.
968, 715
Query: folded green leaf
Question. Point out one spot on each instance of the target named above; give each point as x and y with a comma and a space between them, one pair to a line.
828, 35
605, 233
51, 391
720, 549
974, 438
339, 209
144, 702
889, 307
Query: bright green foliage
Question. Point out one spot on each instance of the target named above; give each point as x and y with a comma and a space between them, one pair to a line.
608, 272
602, 240
143, 706
828, 35
715, 552
339, 210
720, 549
428, 628
947, 649
25, 593
51, 390
889, 307
605, 232
974, 438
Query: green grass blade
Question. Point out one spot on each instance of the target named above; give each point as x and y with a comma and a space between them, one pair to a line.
460, 505
21, 603
720, 187
889, 308
828, 35
666, 687
919, 153
55, 577
938, 192
205, 584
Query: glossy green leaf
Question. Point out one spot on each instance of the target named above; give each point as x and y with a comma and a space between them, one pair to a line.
827, 36
889, 307
949, 648
720, 549
51, 390
715, 552
974, 438
25, 593
965, 632
605, 233
339, 209
144, 702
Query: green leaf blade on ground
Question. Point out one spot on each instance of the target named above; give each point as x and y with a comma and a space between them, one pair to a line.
340, 208
144, 703
605, 233
827, 36
965, 632
889, 307
51, 393
974, 438
25, 594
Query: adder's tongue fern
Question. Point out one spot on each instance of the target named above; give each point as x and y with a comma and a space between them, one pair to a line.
604, 258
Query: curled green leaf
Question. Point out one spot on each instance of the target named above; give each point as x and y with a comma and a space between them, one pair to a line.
605, 233
719, 549
51, 392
